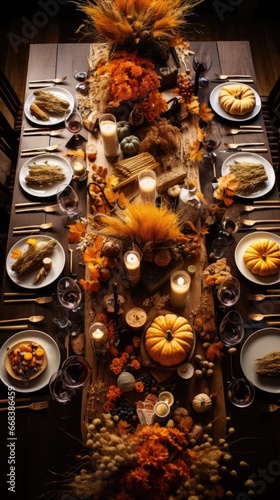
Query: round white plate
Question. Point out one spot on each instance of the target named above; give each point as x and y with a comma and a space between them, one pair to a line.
57, 92
45, 189
240, 249
265, 186
259, 344
214, 103
26, 281
53, 354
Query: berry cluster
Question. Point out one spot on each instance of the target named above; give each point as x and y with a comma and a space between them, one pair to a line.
186, 87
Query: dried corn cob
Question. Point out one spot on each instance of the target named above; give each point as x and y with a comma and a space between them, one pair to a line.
269, 365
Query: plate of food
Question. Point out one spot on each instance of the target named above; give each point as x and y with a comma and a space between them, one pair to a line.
42, 175
35, 261
48, 107
45, 354
235, 101
260, 359
256, 174
264, 244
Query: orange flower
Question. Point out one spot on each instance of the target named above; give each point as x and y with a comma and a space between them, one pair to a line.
92, 286
135, 364
139, 386
136, 341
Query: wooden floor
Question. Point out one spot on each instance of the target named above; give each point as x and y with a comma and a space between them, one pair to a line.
253, 20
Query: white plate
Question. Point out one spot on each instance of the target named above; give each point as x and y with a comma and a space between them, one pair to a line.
240, 250
57, 92
45, 189
214, 103
265, 186
58, 261
259, 344
53, 354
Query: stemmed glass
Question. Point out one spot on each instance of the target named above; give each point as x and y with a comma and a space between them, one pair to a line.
62, 392
231, 329
230, 223
202, 62
80, 71
68, 202
211, 141
228, 292
69, 293
78, 369
74, 123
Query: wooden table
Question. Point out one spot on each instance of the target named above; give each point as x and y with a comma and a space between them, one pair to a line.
51, 439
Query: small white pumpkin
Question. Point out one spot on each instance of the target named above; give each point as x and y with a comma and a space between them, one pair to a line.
126, 381
201, 402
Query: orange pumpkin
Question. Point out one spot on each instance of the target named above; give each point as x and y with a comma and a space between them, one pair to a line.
262, 257
169, 339
237, 99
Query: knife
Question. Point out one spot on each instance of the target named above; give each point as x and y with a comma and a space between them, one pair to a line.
14, 327
244, 150
238, 80
258, 228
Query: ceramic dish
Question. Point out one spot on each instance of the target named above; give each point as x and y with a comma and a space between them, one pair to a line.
214, 103
45, 189
240, 249
259, 344
53, 353
262, 188
26, 281
54, 119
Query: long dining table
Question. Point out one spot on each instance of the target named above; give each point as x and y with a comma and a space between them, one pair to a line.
39, 452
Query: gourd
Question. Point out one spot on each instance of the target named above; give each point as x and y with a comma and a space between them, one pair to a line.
126, 381
123, 129
201, 402
179, 413
111, 249
169, 339
262, 257
174, 191
130, 145
237, 99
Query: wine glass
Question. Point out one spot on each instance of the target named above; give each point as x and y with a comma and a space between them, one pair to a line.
202, 62
228, 292
78, 369
219, 247
62, 392
80, 71
68, 202
230, 223
211, 141
69, 293
241, 392
60, 316
231, 329
74, 124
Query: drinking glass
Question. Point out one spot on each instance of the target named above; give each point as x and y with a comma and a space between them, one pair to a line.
231, 329
69, 293
219, 247
62, 392
60, 316
241, 392
228, 292
230, 223
74, 123
68, 202
211, 141
80, 71
202, 62
78, 369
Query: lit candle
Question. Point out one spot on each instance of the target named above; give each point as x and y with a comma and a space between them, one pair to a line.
98, 337
79, 169
147, 185
108, 129
167, 397
180, 284
132, 263
162, 410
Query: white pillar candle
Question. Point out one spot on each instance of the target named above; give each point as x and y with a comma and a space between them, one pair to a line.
147, 185
131, 261
98, 337
108, 130
167, 397
179, 288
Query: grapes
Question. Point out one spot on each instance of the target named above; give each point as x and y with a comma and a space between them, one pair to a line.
186, 88
124, 412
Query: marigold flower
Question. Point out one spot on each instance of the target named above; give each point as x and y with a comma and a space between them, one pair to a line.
139, 386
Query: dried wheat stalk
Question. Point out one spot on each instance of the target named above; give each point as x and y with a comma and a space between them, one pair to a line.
249, 175
44, 174
269, 364
33, 257
51, 103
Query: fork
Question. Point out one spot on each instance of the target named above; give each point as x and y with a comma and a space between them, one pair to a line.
49, 208
38, 405
270, 407
232, 145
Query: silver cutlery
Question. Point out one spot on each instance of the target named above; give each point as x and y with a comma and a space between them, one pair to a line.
38, 300
52, 133
43, 148
32, 319
244, 150
46, 225
224, 77
251, 208
52, 80
50, 208
260, 296
260, 317
251, 130
14, 327
248, 222
40, 85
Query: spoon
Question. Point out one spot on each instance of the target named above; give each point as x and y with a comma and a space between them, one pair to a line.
33, 319
248, 222
52, 80
250, 208
235, 131
260, 296
46, 225
44, 148
260, 317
